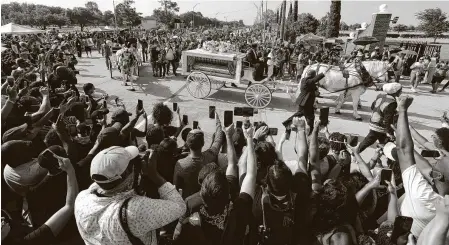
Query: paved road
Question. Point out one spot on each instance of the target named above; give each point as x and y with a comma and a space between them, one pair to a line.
424, 113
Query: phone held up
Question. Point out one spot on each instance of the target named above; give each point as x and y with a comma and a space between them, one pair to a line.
430, 153
212, 112
185, 120
401, 226
175, 106
385, 175
195, 124
228, 118
139, 105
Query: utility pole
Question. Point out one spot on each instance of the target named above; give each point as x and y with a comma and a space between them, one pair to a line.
284, 6
193, 15
115, 16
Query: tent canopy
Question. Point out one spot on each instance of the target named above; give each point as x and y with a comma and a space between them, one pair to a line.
12, 28
310, 37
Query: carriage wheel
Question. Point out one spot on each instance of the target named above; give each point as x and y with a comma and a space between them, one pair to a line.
216, 84
199, 85
258, 96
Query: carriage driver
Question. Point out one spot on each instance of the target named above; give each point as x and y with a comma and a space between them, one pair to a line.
255, 62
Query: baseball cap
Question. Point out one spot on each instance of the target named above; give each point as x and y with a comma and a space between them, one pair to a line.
391, 151
16, 133
121, 115
111, 163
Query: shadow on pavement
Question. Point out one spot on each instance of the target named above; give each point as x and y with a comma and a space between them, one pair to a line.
92, 76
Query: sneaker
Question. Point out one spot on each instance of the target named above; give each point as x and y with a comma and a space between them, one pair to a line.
413, 90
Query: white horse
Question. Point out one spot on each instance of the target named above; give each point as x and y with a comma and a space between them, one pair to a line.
334, 81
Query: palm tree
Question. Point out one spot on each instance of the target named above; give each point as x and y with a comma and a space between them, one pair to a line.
295, 11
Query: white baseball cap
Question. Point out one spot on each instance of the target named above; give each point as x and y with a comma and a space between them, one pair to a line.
112, 162
391, 151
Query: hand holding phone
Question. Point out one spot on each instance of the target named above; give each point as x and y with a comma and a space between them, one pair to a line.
212, 112
185, 120
402, 225
139, 105
175, 106
195, 124
385, 175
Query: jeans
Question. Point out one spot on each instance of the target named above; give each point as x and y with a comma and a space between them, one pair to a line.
173, 64
144, 55
371, 138
160, 70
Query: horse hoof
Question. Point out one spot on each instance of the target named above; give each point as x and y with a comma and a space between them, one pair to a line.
337, 112
358, 118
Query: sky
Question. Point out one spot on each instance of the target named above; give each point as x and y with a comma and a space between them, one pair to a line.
351, 11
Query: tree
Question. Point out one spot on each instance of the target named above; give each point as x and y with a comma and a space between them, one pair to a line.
355, 26
166, 12
344, 26
277, 16
433, 22
96, 13
108, 18
58, 20
411, 28
290, 13
81, 16
323, 25
295, 11
307, 23
400, 28
333, 27
127, 15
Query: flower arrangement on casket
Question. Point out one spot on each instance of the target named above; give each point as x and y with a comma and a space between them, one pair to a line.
222, 47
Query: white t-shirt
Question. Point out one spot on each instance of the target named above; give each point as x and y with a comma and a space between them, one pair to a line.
419, 201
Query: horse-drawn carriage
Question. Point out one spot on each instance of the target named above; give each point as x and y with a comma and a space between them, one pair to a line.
207, 70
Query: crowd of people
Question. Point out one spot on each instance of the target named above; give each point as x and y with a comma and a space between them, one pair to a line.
75, 170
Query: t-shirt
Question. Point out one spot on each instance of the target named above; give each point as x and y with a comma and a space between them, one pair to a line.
419, 201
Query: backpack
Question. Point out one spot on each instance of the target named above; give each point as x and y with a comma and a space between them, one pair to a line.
170, 54
278, 225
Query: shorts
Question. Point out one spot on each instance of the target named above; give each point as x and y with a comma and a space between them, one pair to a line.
437, 79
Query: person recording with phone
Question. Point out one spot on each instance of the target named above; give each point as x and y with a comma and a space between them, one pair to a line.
306, 98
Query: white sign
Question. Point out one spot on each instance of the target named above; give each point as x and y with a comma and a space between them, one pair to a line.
148, 24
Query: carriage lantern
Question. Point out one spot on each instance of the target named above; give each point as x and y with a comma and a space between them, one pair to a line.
346, 74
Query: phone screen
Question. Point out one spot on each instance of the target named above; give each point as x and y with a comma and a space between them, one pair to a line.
139, 105
324, 116
175, 106
247, 111
47, 154
195, 124
402, 225
385, 175
239, 124
238, 111
228, 118
273, 131
185, 119
212, 112
288, 132
429, 153
256, 124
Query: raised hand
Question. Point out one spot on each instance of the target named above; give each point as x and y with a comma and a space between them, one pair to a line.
261, 133
299, 123
12, 93
44, 91
375, 183
248, 132
230, 130
64, 163
352, 149
404, 102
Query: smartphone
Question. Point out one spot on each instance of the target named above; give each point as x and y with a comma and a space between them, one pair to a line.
256, 124
139, 105
212, 112
48, 154
429, 153
324, 116
288, 132
195, 124
256, 111
105, 104
239, 124
185, 119
385, 175
228, 118
238, 111
272, 131
247, 111
175, 106
402, 225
